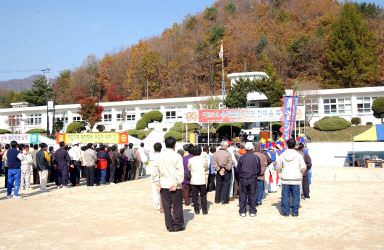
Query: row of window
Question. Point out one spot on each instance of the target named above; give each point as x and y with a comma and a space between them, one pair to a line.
341, 106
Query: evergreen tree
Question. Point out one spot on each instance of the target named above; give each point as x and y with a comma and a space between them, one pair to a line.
39, 93
237, 95
350, 56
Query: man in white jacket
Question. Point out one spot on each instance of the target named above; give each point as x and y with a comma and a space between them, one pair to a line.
26, 162
291, 165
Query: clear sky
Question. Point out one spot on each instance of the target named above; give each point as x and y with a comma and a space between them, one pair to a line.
64, 32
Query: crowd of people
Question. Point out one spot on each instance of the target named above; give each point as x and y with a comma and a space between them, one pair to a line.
98, 164
248, 171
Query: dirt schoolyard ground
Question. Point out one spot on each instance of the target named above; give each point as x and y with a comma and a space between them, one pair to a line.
346, 210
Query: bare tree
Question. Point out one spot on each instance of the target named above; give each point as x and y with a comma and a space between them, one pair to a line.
308, 93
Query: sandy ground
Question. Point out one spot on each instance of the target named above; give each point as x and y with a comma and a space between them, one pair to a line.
346, 210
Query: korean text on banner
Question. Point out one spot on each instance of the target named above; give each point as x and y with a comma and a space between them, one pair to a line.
108, 138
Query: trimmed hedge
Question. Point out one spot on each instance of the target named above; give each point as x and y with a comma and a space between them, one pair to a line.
356, 121
224, 128
100, 128
180, 127
276, 126
332, 123
177, 135
137, 133
75, 127
142, 123
149, 117
5, 131
36, 130
369, 123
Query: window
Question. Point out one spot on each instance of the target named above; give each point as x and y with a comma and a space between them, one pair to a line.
170, 115
131, 117
312, 106
107, 117
34, 119
14, 120
364, 104
77, 118
119, 117
335, 106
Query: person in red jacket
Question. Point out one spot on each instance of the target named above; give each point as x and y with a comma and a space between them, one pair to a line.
103, 160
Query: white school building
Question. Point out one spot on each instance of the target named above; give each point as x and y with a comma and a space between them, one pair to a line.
123, 115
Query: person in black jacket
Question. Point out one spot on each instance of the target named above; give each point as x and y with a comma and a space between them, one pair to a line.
248, 169
42, 164
62, 160
308, 163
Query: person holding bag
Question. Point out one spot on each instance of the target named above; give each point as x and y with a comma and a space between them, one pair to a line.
198, 166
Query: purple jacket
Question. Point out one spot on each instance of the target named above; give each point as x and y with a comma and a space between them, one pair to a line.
185, 163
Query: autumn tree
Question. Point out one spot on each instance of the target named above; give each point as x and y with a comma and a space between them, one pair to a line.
61, 88
90, 111
350, 56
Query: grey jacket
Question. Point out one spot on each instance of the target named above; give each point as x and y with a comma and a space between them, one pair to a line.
90, 158
130, 154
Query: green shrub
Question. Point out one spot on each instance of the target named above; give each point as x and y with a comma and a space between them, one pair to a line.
4, 131
225, 128
177, 135
332, 123
75, 127
113, 130
149, 117
356, 121
137, 133
36, 130
154, 116
276, 126
369, 123
378, 108
142, 123
100, 128
165, 129
180, 127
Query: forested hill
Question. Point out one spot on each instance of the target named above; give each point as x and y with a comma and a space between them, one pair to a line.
320, 43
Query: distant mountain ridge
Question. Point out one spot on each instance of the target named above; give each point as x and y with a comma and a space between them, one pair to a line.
19, 84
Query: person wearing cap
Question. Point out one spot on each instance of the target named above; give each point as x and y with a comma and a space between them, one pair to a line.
248, 169
74, 170
222, 163
265, 160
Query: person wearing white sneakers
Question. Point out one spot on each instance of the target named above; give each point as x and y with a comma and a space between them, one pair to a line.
14, 158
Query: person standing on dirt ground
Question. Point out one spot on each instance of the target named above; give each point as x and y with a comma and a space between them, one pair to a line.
74, 170
248, 170
222, 163
131, 156
62, 160
143, 157
291, 165
157, 205
308, 162
26, 164
42, 163
14, 158
168, 175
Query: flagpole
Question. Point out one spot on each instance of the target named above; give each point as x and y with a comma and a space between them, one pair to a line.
222, 67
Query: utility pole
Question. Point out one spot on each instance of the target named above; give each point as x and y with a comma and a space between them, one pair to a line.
222, 67
46, 71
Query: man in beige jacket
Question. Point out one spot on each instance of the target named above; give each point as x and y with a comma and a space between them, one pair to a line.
222, 163
168, 175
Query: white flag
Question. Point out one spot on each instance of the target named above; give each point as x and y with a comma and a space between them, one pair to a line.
221, 51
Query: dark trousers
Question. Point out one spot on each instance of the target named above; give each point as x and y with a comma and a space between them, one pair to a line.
51, 174
306, 186
247, 190
6, 177
124, 172
186, 193
36, 177
90, 173
196, 189
211, 182
62, 175
235, 188
260, 191
222, 186
286, 192
130, 165
75, 173
83, 172
111, 172
174, 199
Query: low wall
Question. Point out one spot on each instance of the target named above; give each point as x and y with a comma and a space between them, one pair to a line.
332, 154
